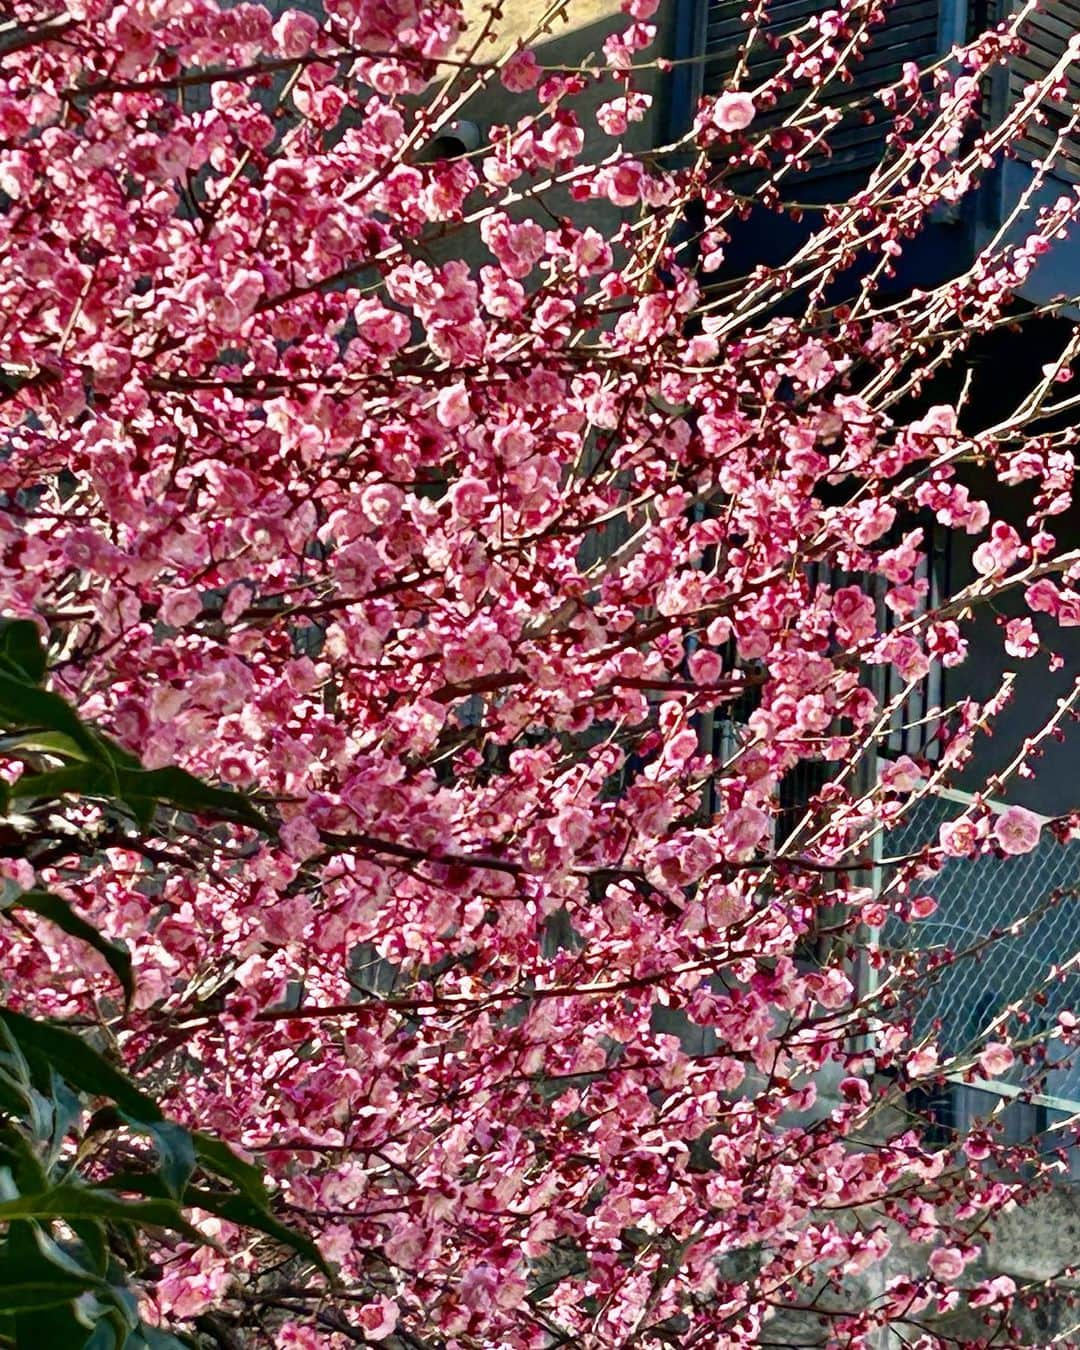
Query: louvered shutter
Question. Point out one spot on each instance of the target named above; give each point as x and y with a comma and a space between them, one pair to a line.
908, 33
1046, 34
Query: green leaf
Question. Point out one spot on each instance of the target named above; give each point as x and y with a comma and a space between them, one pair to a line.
176, 1149
21, 648
22, 1294
88, 779
54, 1047
127, 1307
18, 1155
60, 912
12, 1100
61, 1326
84, 779
67, 1114
13, 1066
41, 743
30, 1244
152, 1338
141, 790
182, 789
35, 1272
24, 705
91, 1234
235, 1208
116, 752
72, 1202
113, 1312
103, 1337
217, 1157
148, 1184
240, 1210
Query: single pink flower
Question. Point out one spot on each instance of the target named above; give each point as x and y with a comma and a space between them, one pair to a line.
733, 111
1017, 830
1021, 640
922, 1062
946, 1263
378, 1319
998, 1290
996, 1059
958, 837
520, 73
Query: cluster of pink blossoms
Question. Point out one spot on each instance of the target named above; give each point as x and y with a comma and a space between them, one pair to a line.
368, 484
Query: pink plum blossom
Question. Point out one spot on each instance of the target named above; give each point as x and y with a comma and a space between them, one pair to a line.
538, 618
946, 1263
1017, 830
733, 111
378, 1319
996, 1059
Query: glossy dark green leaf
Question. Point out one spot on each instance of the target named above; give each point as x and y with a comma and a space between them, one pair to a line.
148, 1184
22, 649
85, 779
59, 1326
24, 705
235, 1208
12, 1102
140, 790
41, 743
14, 1069
217, 1157
60, 912
176, 1151
91, 1236
35, 1272
82, 1066
127, 1306
20, 1158
116, 752
113, 1313
189, 793
240, 1210
67, 1113
104, 1337
46, 1291
153, 1338
71, 1201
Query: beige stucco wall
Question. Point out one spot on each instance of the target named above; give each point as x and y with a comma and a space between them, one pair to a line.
573, 37
518, 19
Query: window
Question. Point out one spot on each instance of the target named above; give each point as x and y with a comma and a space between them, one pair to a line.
1046, 32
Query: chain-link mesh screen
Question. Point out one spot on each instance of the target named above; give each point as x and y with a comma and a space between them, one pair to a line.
975, 899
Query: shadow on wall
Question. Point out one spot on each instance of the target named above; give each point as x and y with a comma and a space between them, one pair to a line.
576, 41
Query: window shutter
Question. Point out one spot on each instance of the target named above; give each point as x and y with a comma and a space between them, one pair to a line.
1046, 33
907, 33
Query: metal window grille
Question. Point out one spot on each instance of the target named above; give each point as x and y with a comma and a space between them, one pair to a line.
976, 900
